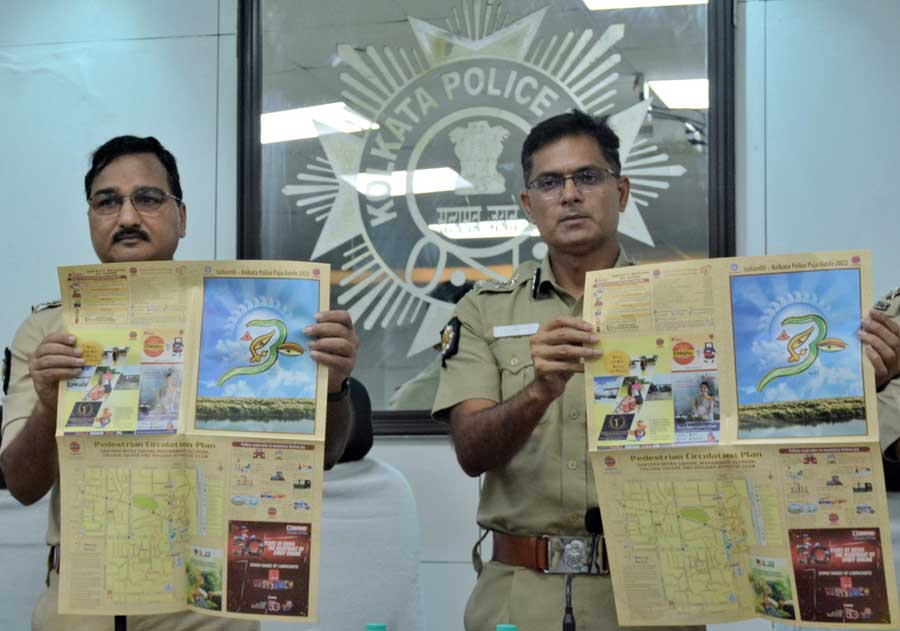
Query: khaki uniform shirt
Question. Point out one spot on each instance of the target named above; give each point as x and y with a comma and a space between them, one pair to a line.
17, 407
418, 393
548, 485
889, 397
21, 398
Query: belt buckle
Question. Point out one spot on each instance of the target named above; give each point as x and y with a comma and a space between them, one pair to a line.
568, 555
572, 555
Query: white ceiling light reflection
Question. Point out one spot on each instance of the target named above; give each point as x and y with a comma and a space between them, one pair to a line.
490, 229
604, 5
683, 94
424, 181
299, 123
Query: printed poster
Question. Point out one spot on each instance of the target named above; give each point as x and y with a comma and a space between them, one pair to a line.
733, 427
193, 439
255, 373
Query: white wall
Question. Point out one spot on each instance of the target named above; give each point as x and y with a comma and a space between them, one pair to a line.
74, 75
817, 129
816, 138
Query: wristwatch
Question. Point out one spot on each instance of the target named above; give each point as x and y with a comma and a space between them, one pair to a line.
341, 394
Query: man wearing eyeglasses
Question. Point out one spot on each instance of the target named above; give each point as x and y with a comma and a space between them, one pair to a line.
512, 389
135, 213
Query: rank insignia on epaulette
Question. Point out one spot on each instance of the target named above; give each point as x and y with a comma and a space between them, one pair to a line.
5, 369
449, 340
46, 305
535, 283
885, 303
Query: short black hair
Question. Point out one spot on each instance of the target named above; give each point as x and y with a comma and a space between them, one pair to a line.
128, 145
704, 383
574, 123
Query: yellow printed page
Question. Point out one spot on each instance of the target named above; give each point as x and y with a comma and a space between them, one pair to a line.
215, 352
130, 505
679, 525
758, 349
837, 538
703, 535
791, 500
263, 562
658, 381
129, 321
127, 294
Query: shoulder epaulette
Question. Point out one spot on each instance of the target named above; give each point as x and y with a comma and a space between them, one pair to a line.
885, 303
53, 304
4, 371
496, 285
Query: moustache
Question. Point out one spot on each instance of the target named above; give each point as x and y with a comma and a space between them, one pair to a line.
130, 234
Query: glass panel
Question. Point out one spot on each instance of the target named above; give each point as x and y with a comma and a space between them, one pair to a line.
392, 134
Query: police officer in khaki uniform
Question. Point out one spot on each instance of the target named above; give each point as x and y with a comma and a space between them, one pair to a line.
513, 384
135, 214
513, 388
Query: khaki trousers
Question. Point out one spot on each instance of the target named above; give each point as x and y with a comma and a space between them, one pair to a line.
536, 602
45, 617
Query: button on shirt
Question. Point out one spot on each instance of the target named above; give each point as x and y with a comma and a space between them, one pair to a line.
548, 485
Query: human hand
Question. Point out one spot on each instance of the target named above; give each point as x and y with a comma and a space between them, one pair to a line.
559, 350
55, 359
881, 337
336, 345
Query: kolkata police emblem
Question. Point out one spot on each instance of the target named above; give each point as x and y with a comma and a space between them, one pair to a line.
429, 192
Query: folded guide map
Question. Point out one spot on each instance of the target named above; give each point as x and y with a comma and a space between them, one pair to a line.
191, 446
733, 430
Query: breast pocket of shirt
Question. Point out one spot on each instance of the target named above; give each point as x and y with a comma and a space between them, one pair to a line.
513, 355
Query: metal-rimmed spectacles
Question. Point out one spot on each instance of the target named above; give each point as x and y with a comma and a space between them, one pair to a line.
147, 200
552, 185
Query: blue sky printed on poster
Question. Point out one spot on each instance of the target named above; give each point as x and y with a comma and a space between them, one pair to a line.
759, 306
228, 305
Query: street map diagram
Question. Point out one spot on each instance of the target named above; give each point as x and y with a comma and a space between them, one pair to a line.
143, 517
697, 534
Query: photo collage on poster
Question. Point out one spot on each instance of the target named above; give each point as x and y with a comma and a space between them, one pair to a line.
130, 382
656, 390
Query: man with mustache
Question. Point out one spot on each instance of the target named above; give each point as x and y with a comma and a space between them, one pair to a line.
512, 387
135, 213
513, 384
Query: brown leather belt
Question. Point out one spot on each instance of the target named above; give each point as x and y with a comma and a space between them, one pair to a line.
552, 554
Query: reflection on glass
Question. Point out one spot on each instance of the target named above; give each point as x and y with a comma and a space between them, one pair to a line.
417, 182
309, 122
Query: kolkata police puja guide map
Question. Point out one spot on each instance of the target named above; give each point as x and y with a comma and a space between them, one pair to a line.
192, 443
735, 442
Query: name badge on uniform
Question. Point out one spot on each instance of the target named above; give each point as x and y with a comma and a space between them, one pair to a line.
516, 330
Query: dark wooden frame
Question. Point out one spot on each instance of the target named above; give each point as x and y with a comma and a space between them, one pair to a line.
720, 61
